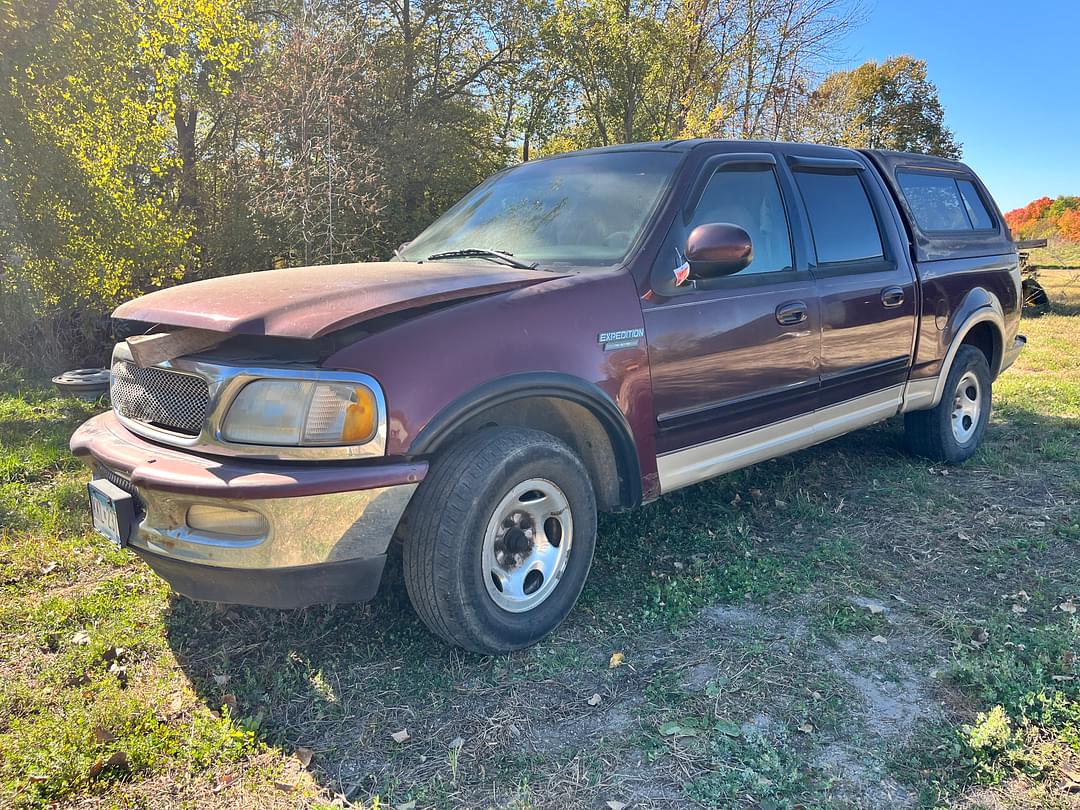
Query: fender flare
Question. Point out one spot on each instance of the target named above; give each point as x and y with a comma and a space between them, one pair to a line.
542, 384
978, 307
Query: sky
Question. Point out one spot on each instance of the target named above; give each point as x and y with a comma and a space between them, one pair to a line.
1008, 75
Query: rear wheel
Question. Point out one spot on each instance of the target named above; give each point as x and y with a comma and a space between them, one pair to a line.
952, 430
500, 539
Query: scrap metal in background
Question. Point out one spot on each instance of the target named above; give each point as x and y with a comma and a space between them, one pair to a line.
1034, 294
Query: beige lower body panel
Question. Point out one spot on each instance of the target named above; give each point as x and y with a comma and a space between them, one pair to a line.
920, 394
684, 467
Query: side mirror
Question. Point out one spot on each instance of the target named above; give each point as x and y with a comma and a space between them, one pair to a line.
718, 249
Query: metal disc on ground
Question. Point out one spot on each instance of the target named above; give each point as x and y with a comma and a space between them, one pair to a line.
83, 383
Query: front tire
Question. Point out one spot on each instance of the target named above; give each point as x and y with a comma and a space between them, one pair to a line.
952, 430
500, 539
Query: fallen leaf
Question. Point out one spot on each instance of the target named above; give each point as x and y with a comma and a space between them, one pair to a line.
1018, 609
223, 782
979, 635
285, 787
816, 696
594, 700
457, 743
679, 728
120, 671
728, 728
807, 727
1062, 677
103, 735
400, 736
880, 640
221, 680
113, 654
230, 701
615, 805
616, 660
48, 569
118, 759
81, 637
409, 805
875, 608
304, 755
1067, 606
37, 779
78, 680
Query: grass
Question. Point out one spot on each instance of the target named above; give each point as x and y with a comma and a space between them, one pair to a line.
1057, 254
845, 627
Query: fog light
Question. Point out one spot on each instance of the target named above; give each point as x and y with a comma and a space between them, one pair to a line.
225, 520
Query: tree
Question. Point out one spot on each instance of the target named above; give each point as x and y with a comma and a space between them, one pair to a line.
892, 105
653, 69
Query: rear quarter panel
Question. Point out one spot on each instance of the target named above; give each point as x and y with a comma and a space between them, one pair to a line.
959, 273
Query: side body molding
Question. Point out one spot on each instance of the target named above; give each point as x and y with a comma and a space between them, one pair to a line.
542, 384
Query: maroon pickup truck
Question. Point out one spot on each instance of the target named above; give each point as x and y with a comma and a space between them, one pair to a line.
581, 333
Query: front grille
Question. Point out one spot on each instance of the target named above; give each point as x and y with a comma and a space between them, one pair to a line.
160, 397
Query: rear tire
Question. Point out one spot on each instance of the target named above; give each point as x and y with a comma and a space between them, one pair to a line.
500, 539
952, 430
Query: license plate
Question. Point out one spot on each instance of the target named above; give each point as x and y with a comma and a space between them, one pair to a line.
111, 509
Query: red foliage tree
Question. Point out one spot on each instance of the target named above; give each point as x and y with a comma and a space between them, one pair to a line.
1068, 225
1022, 220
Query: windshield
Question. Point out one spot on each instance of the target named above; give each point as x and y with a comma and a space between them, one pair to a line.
586, 209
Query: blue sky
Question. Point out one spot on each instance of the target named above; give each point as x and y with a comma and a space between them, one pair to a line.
1008, 74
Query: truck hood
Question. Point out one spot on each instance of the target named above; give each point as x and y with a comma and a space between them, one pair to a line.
309, 302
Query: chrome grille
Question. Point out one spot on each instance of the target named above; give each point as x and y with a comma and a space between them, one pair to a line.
157, 396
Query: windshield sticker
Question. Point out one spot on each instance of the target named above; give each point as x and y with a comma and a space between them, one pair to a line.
622, 339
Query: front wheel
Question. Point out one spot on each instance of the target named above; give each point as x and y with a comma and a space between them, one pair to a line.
952, 430
500, 538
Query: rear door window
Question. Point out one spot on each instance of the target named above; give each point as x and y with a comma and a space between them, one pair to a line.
941, 202
841, 220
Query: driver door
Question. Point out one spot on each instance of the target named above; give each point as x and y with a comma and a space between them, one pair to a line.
736, 357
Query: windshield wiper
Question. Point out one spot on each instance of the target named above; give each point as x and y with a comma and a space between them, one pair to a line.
483, 253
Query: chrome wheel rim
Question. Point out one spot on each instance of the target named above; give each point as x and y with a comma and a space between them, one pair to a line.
527, 545
967, 407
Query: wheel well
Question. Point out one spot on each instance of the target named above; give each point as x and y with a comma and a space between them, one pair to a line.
984, 337
572, 423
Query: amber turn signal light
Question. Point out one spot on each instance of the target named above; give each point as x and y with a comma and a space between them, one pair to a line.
360, 417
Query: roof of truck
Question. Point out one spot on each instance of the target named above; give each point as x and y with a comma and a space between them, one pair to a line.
885, 156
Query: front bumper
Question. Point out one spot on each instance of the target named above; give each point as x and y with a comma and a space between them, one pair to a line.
323, 535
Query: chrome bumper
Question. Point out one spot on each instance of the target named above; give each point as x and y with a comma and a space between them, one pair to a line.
299, 531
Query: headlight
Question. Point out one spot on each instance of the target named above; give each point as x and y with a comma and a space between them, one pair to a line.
302, 413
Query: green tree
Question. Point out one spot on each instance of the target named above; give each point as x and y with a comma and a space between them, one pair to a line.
93, 177
892, 105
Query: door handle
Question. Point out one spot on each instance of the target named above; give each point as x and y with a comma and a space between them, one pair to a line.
791, 313
892, 296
